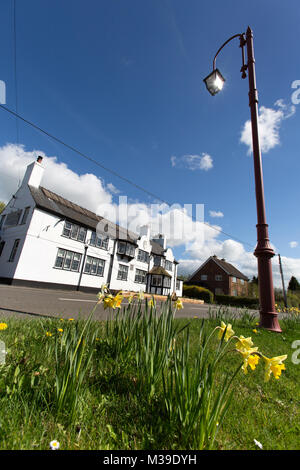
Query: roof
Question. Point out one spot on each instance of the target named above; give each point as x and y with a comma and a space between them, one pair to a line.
52, 202
159, 270
223, 264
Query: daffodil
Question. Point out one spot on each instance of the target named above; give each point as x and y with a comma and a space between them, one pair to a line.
229, 331
178, 304
48, 333
71, 319
130, 299
60, 330
244, 343
255, 331
113, 302
274, 366
3, 326
250, 359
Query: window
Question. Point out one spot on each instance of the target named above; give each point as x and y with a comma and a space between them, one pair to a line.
218, 291
14, 250
156, 280
74, 231
159, 261
68, 260
1, 247
234, 292
13, 218
169, 265
140, 276
218, 277
178, 284
25, 215
100, 241
125, 248
123, 272
242, 281
203, 277
167, 282
94, 266
143, 256
233, 279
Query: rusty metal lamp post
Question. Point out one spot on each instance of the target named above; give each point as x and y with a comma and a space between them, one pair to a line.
263, 251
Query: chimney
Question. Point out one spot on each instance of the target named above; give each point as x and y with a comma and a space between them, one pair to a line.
34, 173
161, 239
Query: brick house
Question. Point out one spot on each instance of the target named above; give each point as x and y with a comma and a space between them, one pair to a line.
220, 277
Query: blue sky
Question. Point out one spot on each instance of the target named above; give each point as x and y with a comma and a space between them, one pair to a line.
122, 81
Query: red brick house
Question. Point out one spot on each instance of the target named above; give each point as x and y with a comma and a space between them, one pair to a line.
220, 277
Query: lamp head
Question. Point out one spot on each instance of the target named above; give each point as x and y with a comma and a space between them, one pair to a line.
214, 82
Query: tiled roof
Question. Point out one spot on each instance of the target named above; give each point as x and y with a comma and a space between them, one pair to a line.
47, 200
159, 270
227, 267
230, 269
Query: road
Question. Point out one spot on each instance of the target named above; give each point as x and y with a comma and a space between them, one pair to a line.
29, 302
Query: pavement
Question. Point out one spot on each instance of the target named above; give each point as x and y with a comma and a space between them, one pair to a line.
32, 302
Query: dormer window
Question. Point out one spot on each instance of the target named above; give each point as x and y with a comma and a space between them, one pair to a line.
126, 249
159, 261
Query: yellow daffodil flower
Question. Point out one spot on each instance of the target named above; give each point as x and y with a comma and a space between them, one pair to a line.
3, 326
274, 365
130, 299
255, 331
244, 343
178, 304
229, 331
48, 333
250, 359
71, 319
113, 302
60, 330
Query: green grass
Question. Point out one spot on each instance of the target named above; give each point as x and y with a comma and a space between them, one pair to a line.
112, 395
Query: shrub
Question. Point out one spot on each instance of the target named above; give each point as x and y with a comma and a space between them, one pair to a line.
234, 301
197, 292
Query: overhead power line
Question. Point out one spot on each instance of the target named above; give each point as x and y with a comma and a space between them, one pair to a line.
109, 170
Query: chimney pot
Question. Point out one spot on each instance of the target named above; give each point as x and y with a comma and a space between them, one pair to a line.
39, 159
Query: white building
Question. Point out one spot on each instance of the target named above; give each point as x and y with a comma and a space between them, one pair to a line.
48, 241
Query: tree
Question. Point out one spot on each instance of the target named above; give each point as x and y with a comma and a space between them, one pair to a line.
293, 284
2, 206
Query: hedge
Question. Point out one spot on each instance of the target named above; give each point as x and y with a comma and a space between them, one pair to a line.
233, 301
197, 292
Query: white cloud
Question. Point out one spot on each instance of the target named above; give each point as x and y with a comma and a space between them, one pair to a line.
269, 122
216, 214
193, 162
86, 190
293, 244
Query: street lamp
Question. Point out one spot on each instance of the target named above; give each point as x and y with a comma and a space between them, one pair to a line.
263, 251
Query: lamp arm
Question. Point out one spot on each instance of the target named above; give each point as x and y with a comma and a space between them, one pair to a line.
242, 39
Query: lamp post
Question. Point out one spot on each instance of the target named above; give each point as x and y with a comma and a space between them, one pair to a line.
263, 251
